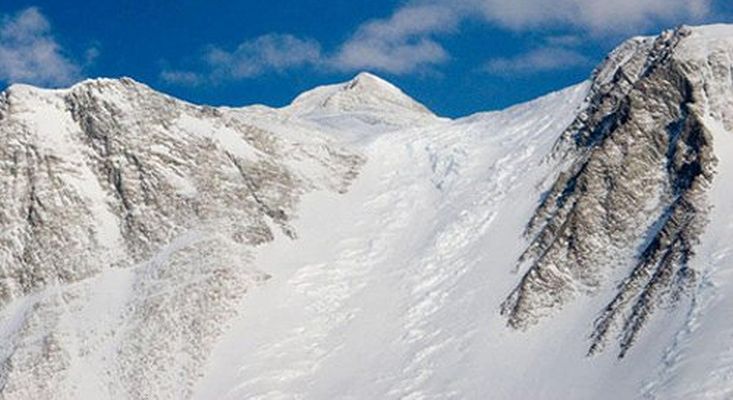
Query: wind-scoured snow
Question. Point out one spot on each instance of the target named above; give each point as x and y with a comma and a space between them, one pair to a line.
353, 245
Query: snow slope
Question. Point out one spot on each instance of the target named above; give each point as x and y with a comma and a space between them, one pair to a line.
400, 243
393, 298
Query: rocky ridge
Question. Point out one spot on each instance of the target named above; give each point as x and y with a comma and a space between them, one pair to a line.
111, 177
639, 160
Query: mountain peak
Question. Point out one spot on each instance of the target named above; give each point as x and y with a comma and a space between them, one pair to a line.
685, 43
101, 86
102, 82
367, 81
366, 93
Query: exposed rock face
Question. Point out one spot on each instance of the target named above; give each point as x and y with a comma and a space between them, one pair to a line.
110, 178
633, 195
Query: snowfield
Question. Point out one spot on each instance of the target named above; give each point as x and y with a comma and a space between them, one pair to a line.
353, 245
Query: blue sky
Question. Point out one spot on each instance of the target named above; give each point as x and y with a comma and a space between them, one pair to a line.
456, 56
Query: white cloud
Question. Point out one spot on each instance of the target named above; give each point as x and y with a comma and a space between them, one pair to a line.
397, 58
565, 40
402, 43
596, 16
409, 39
406, 41
91, 55
267, 53
184, 78
30, 54
538, 60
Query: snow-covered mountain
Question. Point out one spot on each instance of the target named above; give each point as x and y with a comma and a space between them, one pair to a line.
355, 245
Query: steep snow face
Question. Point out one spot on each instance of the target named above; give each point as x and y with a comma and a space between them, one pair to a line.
128, 220
392, 291
354, 245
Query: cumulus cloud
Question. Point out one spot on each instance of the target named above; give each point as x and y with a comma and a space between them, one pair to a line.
596, 16
30, 54
184, 78
409, 40
565, 40
400, 44
268, 53
537, 60
397, 58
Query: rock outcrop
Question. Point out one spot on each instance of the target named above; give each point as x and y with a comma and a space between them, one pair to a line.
632, 196
110, 178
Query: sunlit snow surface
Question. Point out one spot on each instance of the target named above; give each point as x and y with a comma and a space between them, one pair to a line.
392, 289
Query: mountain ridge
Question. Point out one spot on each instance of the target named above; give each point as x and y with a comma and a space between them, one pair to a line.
353, 244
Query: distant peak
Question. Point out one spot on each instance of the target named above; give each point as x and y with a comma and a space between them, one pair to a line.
367, 80
23, 90
368, 75
102, 83
365, 93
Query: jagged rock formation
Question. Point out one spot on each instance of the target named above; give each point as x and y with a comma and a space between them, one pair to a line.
111, 176
633, 194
